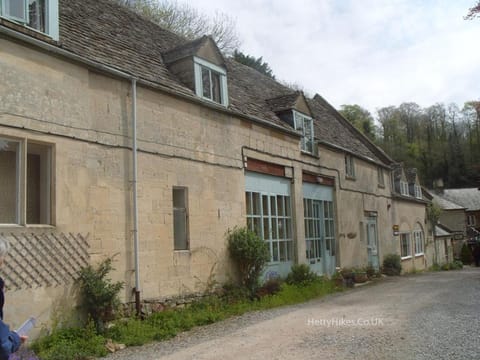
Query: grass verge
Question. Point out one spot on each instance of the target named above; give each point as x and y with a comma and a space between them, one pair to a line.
83, 343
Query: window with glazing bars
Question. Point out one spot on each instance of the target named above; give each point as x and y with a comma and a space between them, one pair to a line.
270, 217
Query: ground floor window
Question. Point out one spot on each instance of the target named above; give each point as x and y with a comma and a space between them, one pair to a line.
25, 182
270, 217
180, 218
405, 249
418, 241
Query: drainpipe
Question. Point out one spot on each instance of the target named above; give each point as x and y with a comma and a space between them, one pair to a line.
135, 205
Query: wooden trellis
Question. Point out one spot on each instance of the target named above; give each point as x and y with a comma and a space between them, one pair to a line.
44, 260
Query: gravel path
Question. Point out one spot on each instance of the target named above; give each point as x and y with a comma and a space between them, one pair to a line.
427, 316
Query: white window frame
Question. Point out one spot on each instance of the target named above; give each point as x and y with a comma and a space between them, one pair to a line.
404, 188
21, 178
198, 65
418, 191
409, 245
51, 17
302, 122
269, 222
418, 240
349, 166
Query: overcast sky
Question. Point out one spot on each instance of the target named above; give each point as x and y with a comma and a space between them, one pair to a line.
374, 53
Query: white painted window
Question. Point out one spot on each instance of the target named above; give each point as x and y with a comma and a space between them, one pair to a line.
210, 82
418, 191
381, 177
404, 188
418, 241
180, 218
304, 124
349, 166
270, 217
40, 15
471, 221
25, 182
405, 246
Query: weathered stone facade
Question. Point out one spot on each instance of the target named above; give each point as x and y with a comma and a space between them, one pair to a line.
84, 115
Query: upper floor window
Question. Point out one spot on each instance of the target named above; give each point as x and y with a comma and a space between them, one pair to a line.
418, 191
381, 177
40, 15
25, 182
404, 188
210, 82
304, 124
349, 166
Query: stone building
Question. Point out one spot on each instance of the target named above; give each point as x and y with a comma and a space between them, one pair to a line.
118, 137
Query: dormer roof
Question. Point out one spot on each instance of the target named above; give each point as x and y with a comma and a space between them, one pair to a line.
204, 48
411, 175
293, 101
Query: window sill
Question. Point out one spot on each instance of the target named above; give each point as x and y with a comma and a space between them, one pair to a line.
28, 226
24, 29
406, 257
181, 251
350, 177
419, 254
309, 154
381, 186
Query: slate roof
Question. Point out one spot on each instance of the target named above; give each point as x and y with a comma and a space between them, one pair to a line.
468, 198
184, 50
441, 231
105, 32
444, 203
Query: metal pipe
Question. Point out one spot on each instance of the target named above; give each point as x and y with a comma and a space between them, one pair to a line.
135, 204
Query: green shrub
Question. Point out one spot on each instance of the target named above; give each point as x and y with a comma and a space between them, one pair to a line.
392, 264
445, 267
99, 296
466, 254
457, 264
435, 267
300, 274
70, 344
250, 253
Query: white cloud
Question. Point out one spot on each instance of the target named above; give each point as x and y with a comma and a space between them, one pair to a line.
371, 52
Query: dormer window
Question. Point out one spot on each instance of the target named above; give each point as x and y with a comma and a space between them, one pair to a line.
304, 124
210, 82
418, 191
404, 188
39, 15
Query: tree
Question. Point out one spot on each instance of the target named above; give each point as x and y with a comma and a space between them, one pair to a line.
360, 118
186, 21
474, 11
255, 63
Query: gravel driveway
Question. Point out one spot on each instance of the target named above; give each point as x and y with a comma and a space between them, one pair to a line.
426, 316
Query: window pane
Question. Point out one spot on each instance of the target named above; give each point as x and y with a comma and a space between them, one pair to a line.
273, 206
179, 198
275, 251
36, 14
207, 92
180, 229
256, 203
9, 159
281, 228
266, 229
274, 229
280, 206
265, 205
15, 8
283, 250
216, 87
